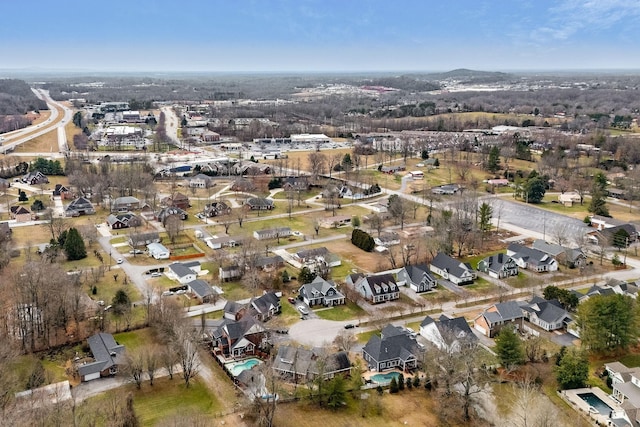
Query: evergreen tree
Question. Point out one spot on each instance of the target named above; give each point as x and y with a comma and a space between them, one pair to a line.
336, 392
572, 370
22, 196
493, 162
509, 347
393, 386
534, 189
401, 382
74, 245
306, 275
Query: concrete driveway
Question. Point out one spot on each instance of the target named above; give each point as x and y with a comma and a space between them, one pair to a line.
317, 332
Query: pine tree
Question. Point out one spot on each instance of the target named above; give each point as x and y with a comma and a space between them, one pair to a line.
74, 245
509, 348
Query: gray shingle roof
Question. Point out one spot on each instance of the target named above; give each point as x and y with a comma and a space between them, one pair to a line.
200, 288
453, 266
106, 353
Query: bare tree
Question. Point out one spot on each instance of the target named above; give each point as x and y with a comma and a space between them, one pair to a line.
169, 359
152, 359
345, 340
187, 350
173, 225
317, 162
133, 367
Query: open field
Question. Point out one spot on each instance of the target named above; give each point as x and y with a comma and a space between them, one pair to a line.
411, 407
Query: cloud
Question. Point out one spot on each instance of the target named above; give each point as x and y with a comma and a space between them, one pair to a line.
569, 18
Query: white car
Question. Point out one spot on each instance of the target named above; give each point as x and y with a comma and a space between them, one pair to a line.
302, 309
120, 261
156, 274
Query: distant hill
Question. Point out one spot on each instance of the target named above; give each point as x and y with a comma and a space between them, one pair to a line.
471, 76
16, 98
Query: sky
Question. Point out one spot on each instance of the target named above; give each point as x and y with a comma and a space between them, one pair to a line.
319, 35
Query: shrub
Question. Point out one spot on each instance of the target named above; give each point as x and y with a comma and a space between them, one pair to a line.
363, 240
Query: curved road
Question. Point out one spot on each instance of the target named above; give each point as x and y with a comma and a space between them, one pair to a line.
53, 122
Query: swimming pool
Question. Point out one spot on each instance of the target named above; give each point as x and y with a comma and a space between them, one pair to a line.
597, 403
236, 367
384, 379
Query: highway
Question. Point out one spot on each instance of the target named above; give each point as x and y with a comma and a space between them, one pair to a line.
16, 138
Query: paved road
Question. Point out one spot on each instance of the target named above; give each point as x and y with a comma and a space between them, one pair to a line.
50, 124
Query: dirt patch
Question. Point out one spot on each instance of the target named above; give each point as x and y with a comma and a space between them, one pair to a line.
365, 261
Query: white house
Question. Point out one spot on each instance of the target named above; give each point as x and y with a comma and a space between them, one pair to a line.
158, 251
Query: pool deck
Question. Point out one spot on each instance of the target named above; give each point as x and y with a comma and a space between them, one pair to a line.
367, 375
581, 406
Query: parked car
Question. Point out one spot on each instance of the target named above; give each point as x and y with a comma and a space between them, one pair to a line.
291, 300
349, 326
120, 261
302, 309
136, 252
156, 274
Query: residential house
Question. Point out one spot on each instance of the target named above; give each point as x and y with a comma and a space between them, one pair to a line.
35, 178
259, 204
447, 189
378, 288
158, 251
531, 259
608, 236
270, 263
391, 169
234, 310
240, 338
137, 240
315, 257
393, 349
79, 206
202, 291
20, 214
298, 364
387, 239
183, 272
451, 334
497, 316
265, 306
416, 277
499, 182
321, 292
123, 220
498, 266
568, 199
61, 191
200, 181
216, 209
335, 221
107, 356
229, 273
147, 212
220, 242
547, 314
570, 257
125, 204
295, 183
625, 383
169, 211
272, 233
177, 200
251, 168
457, 272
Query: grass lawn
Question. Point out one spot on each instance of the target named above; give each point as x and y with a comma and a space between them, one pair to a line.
120, 239
481, 286
474, 260
234, 291
168, 399
347, 311
135, 339
289, 314
364, 337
